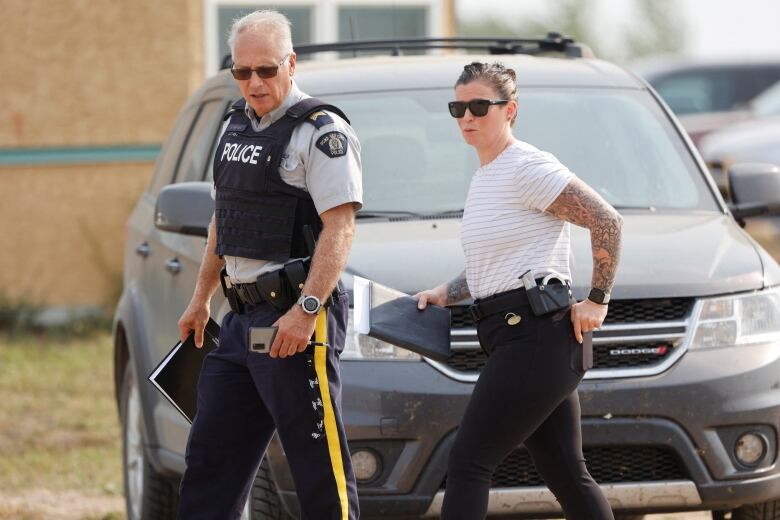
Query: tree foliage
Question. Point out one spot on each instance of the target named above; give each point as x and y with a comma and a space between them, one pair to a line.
655, 27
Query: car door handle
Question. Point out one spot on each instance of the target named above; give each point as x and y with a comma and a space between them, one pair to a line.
143, 250
173, 266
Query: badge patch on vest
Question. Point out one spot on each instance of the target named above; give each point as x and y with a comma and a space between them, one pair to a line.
320, 119
333, 144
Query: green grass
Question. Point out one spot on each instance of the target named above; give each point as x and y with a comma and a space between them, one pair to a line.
59, 430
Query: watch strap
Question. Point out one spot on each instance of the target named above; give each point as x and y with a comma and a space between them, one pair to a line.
598, 296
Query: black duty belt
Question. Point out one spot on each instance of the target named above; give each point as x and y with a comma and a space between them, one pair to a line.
279, 288
498, 304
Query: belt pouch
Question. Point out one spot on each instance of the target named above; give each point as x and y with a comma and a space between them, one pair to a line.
547, 298
295, 272
273, 290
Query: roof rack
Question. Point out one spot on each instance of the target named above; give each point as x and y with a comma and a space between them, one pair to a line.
553, 42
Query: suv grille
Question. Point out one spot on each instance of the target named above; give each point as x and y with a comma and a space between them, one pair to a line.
607, 465
620, 311
622, 348
648, 311
604, 356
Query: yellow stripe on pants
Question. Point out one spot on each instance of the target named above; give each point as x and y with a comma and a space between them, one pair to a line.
331, 429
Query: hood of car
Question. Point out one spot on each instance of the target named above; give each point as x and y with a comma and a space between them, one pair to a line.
664, 255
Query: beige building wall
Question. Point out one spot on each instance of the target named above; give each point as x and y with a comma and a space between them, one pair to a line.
96, 72
101, 74
64, 230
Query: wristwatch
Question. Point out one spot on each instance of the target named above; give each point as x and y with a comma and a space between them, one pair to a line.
598, 296
309, 304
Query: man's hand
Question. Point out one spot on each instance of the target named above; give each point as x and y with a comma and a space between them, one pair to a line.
294, 334
586, 316
195, 317
436, 296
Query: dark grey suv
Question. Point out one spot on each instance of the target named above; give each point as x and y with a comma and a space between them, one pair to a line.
682, 408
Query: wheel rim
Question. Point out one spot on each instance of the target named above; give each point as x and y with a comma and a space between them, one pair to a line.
134, 453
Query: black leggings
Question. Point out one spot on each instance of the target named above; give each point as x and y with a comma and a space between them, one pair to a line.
527, 393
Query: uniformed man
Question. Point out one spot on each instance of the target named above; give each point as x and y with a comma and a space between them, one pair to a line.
285, 162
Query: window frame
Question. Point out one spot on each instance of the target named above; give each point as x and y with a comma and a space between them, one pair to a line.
324, 19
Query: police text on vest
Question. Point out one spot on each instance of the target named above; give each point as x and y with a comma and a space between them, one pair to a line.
247, 153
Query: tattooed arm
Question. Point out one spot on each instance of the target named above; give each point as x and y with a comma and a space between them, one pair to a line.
582, 206
446, 294
579, 204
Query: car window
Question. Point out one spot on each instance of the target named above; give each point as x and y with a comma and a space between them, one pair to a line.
620, 142
192, 167
171, 150
210, 162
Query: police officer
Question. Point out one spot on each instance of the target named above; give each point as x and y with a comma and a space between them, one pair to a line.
516, 221
285, 162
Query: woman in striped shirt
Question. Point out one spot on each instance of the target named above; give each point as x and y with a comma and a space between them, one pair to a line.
516, 220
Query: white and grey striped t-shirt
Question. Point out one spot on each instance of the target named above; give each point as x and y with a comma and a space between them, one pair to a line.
505, 231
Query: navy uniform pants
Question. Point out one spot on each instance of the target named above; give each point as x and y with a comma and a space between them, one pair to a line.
527, 393
243, 397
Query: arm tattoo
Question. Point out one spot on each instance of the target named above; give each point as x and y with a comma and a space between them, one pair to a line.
579, 204
457, 289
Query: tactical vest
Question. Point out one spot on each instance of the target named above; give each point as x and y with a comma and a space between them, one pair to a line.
257, 214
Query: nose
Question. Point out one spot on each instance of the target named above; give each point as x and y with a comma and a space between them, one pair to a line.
255, 80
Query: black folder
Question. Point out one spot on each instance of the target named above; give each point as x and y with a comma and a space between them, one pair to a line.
176, 377
393, 317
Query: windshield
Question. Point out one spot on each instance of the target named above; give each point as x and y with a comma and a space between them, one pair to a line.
618, 141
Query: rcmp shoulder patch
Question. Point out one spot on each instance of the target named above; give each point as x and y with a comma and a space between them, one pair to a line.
319, 119
333, 144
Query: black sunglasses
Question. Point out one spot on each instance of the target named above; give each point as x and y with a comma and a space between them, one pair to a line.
477, 107
265, 72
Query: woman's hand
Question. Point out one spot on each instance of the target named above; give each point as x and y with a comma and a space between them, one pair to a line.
586, 316
436, 296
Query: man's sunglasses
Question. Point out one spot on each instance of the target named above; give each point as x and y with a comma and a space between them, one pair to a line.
477, 107
265, 72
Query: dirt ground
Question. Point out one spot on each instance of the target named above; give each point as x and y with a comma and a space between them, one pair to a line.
73, 505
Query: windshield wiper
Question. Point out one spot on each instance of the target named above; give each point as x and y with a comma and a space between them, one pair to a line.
409, 214
647, 208
386, 214
448, 213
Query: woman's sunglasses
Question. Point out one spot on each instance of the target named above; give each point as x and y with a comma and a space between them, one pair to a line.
477, 107
265, 72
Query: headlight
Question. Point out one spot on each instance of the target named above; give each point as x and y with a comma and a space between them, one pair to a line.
360, 346
738, 320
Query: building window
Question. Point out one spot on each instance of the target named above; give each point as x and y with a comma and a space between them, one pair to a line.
369, 23
300, 18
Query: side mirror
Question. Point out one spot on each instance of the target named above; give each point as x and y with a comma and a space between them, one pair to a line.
185, 208
755, 189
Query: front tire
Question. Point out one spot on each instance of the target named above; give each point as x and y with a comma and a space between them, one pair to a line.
765, 511
148, 494
265, 502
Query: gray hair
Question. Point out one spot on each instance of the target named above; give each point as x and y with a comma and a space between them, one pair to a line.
502, 79
260, 21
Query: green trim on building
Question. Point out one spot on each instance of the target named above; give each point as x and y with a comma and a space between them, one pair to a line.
78, 155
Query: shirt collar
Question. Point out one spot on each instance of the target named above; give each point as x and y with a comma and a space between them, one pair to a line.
293, 97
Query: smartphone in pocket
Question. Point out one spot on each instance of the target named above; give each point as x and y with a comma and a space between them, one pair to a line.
261, 339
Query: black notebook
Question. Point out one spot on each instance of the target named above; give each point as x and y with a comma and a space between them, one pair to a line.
392, 316
176, 377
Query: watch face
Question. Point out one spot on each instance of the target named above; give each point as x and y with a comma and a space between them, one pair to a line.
310, 304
